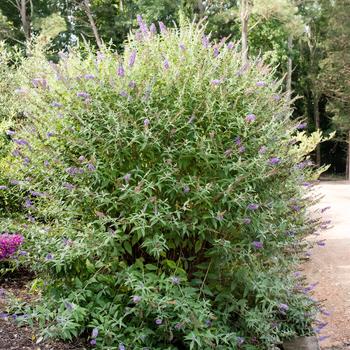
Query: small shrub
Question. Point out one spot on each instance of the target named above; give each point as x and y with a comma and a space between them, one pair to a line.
162, 194
9, 243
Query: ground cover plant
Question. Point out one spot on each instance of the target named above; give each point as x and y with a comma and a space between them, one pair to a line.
161, 194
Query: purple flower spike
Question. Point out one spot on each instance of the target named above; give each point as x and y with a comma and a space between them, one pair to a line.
123, 93
159, 321
325, 208
182, 47
216, 52
40, 83
142, 25
89, 76
257, 245
238, 141
283, 308
121, 72
56, 104
220, 217
276, 97
295, 207
253, 206
136, 299
186, 189
216, 82
162, 27
175, 280
127, 177
94, 333
3, 187
93, 342
208, 323
250, 118
49, 257
262, 150
205, 41
83, 94
247, 221
301, 126
153, 29
68, 186
274, 161
28, 203
146, 122
166, 64
240, 341
10, 132
321, 243
91, 167
50, 134
230, 45
325, 312
121, 347
241, 149
21, 142
132, 58
260, 84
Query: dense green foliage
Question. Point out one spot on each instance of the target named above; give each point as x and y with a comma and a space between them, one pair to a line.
161, 193
318, 29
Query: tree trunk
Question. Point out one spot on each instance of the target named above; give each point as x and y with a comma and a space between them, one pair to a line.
317, 125
22, 8
289, 68
201, 9
244, 25
92, 23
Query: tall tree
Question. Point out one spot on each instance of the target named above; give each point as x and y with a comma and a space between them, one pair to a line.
335, 69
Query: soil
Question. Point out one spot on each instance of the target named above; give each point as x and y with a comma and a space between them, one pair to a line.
329, 265
15, 337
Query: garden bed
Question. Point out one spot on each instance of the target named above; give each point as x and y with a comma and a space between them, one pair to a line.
13, 336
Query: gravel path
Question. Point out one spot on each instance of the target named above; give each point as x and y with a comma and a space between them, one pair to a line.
330, 265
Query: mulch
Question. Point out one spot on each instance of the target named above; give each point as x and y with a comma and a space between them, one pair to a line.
15, 337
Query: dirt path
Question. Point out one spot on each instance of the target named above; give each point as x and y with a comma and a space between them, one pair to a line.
330, 265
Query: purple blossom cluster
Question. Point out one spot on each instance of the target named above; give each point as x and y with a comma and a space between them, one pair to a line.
74, 171
94, 335
257, 245
250, 118
274, 161
301, 126
40, 83
9, 244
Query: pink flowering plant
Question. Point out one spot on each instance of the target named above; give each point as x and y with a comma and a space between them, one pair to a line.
162, 195
9, 244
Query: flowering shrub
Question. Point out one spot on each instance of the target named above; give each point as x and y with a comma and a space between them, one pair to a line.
163, 195
9, 244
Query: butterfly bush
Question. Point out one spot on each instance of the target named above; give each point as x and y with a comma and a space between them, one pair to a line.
156, 196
